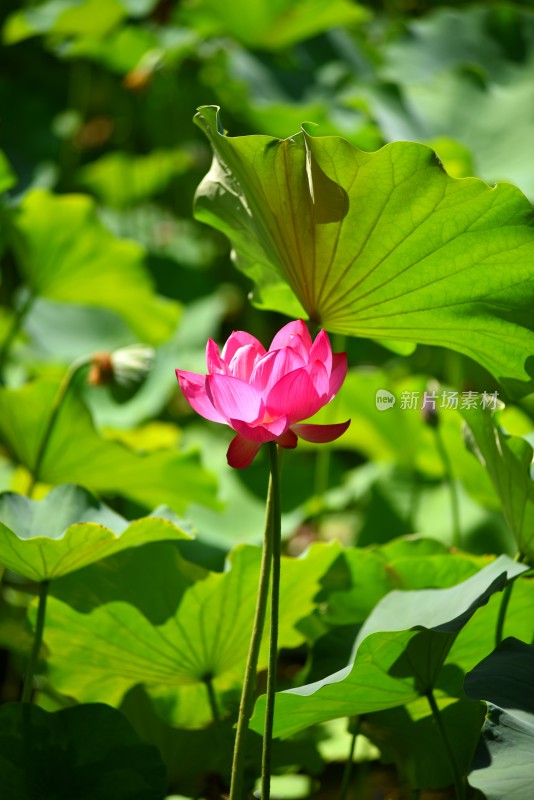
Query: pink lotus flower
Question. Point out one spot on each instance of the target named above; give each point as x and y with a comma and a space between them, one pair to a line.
264, 395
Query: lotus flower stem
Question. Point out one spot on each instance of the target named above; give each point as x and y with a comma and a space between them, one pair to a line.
276, 535
58, 402
36, 646
247, 694
459, 782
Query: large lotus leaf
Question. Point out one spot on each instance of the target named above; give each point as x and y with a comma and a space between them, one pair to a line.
66, 254
503, 765
271, 24
398, 653
88, 752
508, 460
365, 686
76, 453
146, 616
68, 530
384, 245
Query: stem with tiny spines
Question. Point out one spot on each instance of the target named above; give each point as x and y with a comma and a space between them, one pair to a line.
247, 693
276, 536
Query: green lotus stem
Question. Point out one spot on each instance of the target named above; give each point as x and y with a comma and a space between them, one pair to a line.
347, 772
56, 408
449, 476
276, 540
212, 699
37, 641
247, 693
503, 608
14, 328
459, 782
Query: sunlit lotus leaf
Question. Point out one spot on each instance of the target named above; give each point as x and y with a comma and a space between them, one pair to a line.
397, 656
148, 617
384, 245
68, 530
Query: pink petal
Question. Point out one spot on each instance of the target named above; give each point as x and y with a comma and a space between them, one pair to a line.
239, 339
288, 439
321, 350
287, 337
320, 433
193, 387
234, 399
300, 394
241, 452
273, 366
278, 426
338, 374
243, 362
320, 377
265, 432
213, 359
